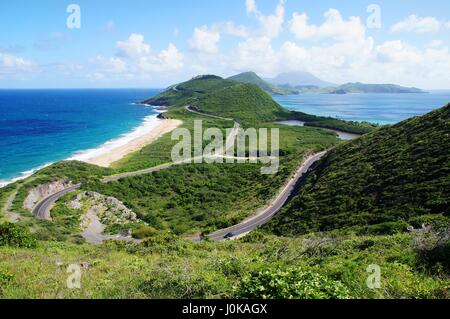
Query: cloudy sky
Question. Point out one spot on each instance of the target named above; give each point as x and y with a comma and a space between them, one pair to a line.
154, 43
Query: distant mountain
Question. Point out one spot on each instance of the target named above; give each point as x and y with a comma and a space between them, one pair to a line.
379, 183
253, 78
374, 88
299, 79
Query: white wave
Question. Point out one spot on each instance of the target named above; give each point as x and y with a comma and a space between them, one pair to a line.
150, 122
23, 175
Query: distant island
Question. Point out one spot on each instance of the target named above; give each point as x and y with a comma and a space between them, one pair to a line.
304, 82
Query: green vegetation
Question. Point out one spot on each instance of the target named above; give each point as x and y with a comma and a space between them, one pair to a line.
291, 283
167, 267
375, 88
246, 103
332, 123
183, 93
379, 181
14, 236
253, 78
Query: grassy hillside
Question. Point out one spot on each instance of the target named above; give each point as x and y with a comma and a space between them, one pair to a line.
243, 102
253, 78
259, 266
183, 93
380, 182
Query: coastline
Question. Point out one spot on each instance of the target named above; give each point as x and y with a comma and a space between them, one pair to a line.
115, 149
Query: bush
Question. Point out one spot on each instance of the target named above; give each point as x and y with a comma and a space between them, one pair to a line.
14, 236
432, 246
290, 284
144, 232
388, 228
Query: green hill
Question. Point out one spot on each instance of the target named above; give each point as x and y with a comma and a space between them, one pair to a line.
379, 182
186, 91
253, 78
243, 102
375, 88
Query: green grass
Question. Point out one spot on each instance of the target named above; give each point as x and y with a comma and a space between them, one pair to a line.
166, 267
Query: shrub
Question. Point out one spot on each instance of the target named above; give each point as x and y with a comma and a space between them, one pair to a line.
388, 228
14, 236
290, 284
432, 246
144, 232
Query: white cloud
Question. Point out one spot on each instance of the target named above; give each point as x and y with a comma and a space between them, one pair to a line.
205, 40
417, 24
12, 64
133, 47
255, 54
271, 25
135, 59
109, 65
334, 27
169, 59
230, 28
397, 52
250, 5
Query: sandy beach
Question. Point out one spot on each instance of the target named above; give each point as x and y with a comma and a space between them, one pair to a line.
119, 152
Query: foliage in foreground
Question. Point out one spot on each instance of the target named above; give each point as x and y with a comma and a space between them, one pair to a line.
290, 284
314, 266
14, 236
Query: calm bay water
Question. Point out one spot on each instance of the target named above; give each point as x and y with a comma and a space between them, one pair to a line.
38, 127
376, 108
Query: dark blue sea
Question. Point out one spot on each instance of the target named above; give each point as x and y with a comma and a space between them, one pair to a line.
38, 127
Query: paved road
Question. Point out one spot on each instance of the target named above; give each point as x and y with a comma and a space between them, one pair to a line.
42, 209
270, 211
189, 108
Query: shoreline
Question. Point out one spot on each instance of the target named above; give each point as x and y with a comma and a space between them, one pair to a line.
132, 142
115, 149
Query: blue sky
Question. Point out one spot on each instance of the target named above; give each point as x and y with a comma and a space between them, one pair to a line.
154, 43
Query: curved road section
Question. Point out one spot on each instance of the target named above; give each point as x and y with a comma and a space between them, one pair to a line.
42, 209
274, 207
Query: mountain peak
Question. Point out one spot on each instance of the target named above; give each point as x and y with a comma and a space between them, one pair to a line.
299, 78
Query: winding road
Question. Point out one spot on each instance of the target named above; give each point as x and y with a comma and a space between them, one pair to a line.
42, 209
271, 210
